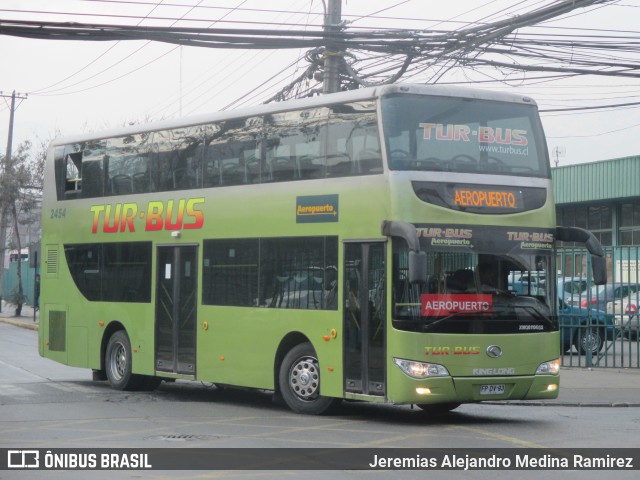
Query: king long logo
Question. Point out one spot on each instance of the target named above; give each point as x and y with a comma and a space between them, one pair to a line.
494, 351
159, 215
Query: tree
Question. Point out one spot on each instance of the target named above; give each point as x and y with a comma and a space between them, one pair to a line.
21, 180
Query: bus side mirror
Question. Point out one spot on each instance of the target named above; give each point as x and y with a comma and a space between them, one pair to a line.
598, 260
599, 267
417, 258
417, 268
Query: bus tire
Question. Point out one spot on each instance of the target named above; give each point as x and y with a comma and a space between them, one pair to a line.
299, 381
117, 362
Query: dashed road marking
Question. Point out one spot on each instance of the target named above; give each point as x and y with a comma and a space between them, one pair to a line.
10, 390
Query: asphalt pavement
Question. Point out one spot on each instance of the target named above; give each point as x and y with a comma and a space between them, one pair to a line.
579, 387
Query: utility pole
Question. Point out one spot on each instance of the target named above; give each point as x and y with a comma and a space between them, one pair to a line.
332, 19
5, 168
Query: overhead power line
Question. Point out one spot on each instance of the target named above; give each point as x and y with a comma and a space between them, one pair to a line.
390, 42
373, 57
594, 107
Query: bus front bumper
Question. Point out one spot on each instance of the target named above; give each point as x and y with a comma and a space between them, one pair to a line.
477, 389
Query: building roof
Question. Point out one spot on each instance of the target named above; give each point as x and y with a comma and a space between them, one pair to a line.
614, 179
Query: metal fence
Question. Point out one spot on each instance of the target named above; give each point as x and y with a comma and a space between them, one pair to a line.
599, 325
10, 280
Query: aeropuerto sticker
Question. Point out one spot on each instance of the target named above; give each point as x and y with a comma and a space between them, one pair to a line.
317, 208
442, 304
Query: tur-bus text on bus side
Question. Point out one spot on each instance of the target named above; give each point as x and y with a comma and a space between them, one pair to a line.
159, 215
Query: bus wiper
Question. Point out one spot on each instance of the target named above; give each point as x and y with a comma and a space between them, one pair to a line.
427, 164
529, 305
448, 317
499, 293
535, 313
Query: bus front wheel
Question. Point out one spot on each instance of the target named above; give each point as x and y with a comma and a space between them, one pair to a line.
117, 363
299, 381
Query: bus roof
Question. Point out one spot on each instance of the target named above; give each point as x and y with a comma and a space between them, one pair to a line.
327, 99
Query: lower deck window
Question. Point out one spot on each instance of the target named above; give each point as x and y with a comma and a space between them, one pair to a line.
293, 273
111, 272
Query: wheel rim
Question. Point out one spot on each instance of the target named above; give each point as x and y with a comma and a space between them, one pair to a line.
118, 361
304, 378
591, 342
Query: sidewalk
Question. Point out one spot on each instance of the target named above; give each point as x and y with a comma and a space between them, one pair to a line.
598, 387
579, 387
25, 320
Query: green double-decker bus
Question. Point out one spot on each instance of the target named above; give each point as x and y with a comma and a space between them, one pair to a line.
358, 245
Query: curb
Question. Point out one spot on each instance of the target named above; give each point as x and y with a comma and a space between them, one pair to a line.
19, 323
538, 403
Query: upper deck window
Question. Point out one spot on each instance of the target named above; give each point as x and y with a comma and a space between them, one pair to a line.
338, 140
463, 135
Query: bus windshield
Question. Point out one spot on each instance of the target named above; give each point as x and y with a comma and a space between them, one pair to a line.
463, 135
480, 280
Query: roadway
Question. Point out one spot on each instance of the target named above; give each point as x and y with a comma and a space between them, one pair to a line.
47, 405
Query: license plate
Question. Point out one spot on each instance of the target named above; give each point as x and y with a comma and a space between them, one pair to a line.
492, 389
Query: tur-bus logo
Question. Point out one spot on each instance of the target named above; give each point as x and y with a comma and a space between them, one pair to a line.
158, 215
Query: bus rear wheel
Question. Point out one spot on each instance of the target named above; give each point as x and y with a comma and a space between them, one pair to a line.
299, 381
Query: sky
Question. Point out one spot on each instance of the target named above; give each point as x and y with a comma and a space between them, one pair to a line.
81, 86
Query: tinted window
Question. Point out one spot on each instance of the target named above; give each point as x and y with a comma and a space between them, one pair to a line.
230, 272
353, 143
85, 267
126, 272
231, 152
176, 159
295, 145
298, 273
128, 167
463, 135
341, 140
111, 272
93, 157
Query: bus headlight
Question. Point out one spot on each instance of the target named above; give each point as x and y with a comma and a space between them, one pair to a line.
549, 368
420, 369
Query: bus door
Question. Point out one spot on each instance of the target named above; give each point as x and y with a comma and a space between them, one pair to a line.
364, 318
176, 321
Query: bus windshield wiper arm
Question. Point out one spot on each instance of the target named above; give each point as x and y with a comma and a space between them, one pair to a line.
536, 314
444, 319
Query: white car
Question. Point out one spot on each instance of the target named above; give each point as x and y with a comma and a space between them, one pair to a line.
626, 313
527, 283
572, 289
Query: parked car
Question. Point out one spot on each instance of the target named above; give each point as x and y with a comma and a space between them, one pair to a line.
310, 289
572, 289
583, 328
600, 295
527, 283
626, 314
